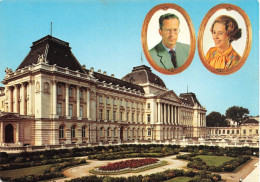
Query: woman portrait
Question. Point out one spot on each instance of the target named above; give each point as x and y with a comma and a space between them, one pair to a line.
166, 45
224, 39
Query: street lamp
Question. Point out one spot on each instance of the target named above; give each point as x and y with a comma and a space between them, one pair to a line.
240, 179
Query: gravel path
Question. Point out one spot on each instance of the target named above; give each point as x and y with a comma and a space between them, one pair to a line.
80, 171
242, 173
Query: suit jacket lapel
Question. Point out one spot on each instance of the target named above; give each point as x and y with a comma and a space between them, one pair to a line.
164, 57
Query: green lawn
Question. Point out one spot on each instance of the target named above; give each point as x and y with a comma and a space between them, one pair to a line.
214, 160
14, 173
179, 179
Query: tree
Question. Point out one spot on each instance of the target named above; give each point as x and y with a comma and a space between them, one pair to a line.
216, 119
237, 114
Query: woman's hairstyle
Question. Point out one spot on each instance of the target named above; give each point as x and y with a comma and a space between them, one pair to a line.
232, 30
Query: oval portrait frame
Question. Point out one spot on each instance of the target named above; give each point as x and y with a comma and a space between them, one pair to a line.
146, 22
248, 43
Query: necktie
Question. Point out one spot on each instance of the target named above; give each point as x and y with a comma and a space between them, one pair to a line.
173, 58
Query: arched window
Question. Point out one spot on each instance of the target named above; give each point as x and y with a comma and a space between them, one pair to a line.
61, 131
101, 132
73, 131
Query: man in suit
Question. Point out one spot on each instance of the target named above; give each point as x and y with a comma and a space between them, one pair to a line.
169, 54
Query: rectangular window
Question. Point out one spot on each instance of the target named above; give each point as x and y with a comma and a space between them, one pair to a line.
121, 102
114, 115
142, 119
148, 118
108, 133
81, 94
70, 92
237, 131
83, 131
59, 108
126, 104
233, 132
121, 116
114, 132
244, 131
148, 105
227, 131
138, 117
70, 110
58, 90
100, 99
107, 100
256, 131
107, 114
101, 114
127, 116
133, 117
223, 131
81, 111
114, 101
149, 131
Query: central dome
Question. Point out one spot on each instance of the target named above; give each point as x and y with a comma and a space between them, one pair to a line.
143, 74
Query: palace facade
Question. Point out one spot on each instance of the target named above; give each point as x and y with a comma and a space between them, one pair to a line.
51, 99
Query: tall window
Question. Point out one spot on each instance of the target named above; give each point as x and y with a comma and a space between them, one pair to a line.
83, 131
244, 131
58, 90
81, 111
121, 102
121, 116
70, 110
114, 132
114, 101
142, 118
138, 117
133, 117
100, 99
107, 114
126, 103
149, 131
114, 115
148, 118
101, 132
81, 94
70, 92
61, 131
256, 131
73, 131
237, 131
108, 132
101, 113
59, 108
127, 116
148, 105
107, 100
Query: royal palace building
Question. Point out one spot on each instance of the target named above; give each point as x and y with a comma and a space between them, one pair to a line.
51, 99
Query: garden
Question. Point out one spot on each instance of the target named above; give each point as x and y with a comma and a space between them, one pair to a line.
45, 165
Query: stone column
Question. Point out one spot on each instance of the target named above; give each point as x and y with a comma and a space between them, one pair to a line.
172, 114
159, 113
67, 101
169, 114
175, 115
15, 99
2, 133
30, 94
54, 99
78, 103
23, 97
10, 99
164, 114
17, 133
88, 105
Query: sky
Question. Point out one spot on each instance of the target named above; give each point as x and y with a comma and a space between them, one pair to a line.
106, 35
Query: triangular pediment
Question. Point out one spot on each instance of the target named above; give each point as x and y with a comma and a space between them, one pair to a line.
169, 95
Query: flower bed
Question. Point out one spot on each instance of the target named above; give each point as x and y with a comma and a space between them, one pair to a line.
128, 164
